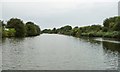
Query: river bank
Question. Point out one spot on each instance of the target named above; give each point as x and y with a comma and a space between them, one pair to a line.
109, 29
17, 28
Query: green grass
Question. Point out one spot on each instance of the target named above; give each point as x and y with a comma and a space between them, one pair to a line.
9, 33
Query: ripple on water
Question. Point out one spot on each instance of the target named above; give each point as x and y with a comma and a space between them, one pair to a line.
57, 52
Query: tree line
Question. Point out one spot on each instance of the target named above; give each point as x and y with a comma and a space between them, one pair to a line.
110, 28
17, 28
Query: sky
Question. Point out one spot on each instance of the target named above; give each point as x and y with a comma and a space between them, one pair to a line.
57, 13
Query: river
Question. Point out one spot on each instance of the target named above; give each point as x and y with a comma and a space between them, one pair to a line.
59, 52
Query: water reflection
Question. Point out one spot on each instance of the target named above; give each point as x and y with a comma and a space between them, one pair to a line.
47, 52
112, 52
111, 46
111, 49
12, 40
15, 48
91, 40
119, 62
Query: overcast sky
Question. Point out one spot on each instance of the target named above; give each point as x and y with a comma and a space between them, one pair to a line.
56, 13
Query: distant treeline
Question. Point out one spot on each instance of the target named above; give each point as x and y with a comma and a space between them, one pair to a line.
110, 28
17, 28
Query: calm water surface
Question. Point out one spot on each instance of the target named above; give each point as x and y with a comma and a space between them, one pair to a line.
59, 52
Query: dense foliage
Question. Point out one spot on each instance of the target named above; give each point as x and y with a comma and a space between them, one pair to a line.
32, 29
110, 28
18, 25
16, 28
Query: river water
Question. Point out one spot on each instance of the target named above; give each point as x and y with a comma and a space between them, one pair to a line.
59, 52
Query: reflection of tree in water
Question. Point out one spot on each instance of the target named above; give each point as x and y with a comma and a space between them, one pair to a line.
111, 46
13, 51
91, 40
12, 40
112, 53
119, 62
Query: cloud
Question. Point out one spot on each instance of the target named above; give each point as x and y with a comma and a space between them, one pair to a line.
54, 14
0, 10
60, 1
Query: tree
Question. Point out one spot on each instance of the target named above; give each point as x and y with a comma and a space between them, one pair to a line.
54, 30
106, 23
66, 28
74, 31
47, 31
95, 28
38, 30
117, 26
32, 29
111, 23
18, 25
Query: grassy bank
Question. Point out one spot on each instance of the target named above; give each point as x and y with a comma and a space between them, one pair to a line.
10, 32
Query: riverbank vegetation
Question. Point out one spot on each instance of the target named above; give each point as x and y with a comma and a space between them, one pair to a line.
16, 28
110, 29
